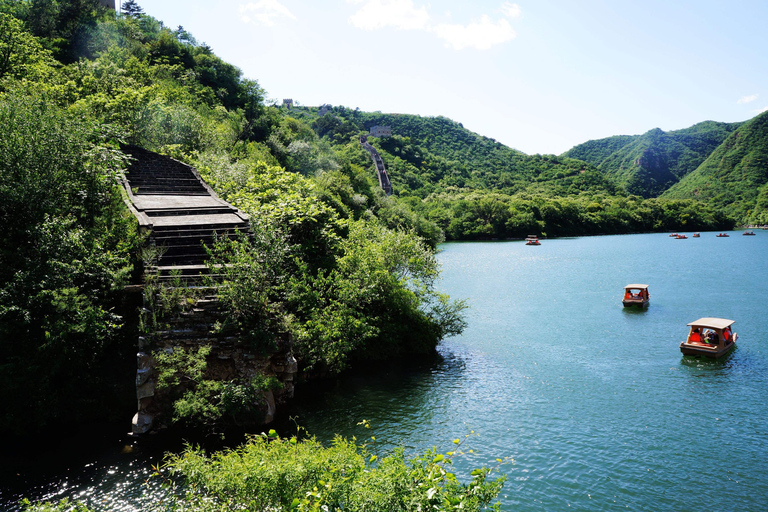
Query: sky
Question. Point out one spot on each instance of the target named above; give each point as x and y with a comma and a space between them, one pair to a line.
540, 76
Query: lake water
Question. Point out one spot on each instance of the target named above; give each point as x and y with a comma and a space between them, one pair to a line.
594, 402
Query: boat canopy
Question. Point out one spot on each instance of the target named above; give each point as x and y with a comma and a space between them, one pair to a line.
636, 286
712, 323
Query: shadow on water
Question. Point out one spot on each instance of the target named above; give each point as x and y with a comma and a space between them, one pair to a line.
634, 310
379, 392
78, 462
709, 364
102, 464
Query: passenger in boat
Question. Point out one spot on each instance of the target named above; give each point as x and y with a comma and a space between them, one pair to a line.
727, 334
695, 336
710, 337
628, 295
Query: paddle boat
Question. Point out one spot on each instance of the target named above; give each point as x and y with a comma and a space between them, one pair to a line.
748, 233
636, 295
696, 235
723, 234
673, 235
532, 240
709, 337
681, 237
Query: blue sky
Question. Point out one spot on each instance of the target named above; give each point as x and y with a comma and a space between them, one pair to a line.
540, 76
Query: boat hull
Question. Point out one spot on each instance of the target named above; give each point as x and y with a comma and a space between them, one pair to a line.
715, 351
635, 302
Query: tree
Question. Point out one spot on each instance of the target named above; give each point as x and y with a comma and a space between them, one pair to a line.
131, 9
20, 52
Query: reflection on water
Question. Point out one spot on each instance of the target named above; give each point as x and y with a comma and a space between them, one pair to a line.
101, 466
593, 401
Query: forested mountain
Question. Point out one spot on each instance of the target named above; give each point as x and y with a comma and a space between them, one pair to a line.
428, 154
735, 175
648, 164
474, 187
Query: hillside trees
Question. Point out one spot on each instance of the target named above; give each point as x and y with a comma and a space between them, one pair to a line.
21, 54
349, 289
64, 252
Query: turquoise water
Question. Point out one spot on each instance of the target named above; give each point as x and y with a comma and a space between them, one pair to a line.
594, 402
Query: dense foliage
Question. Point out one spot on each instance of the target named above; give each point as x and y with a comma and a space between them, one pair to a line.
64, 251
342, 287
273, 473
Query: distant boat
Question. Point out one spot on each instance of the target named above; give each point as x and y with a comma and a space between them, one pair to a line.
748, 233
681, 237
723, 234
636, 295
674, 235
532, 240
696, 235
710, 337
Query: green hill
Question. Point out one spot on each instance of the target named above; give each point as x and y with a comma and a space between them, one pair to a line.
648, 164
426, 155
735, 175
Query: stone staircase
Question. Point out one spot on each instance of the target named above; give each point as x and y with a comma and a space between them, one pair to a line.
179, 211
181, 216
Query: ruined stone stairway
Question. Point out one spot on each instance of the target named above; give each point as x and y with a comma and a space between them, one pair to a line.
180, 212
181, 215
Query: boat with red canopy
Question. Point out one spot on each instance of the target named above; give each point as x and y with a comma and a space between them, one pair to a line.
636, 295
709, 337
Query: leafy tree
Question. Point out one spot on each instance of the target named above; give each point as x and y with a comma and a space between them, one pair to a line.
131, 9
63, 255
21, 55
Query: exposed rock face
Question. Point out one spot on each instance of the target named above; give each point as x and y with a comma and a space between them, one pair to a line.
229, 360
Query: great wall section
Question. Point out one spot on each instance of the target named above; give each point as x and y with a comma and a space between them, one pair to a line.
381, 171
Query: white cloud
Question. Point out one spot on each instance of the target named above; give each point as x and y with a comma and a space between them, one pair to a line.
404, 15
401, 14
511, 10
747, 99
480, 35
264, 12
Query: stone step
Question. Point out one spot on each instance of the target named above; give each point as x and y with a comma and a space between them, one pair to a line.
202, 221
208, 210
158, 192
177, 239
